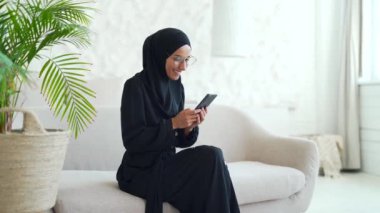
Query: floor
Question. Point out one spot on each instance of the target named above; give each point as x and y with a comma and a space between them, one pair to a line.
349, 193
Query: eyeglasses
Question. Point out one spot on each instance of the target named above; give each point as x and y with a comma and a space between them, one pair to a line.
190, 60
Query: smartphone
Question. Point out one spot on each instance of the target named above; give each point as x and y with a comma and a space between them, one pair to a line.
206, 101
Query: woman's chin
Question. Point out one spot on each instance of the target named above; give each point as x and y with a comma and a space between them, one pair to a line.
175, 76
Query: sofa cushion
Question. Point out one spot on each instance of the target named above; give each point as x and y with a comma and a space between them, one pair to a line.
88, 191
97, 191
255, 182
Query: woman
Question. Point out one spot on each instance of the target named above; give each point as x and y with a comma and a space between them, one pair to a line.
154, 122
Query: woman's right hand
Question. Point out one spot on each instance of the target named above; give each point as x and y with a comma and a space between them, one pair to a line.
185, 118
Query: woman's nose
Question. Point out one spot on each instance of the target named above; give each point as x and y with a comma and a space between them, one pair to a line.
183, 65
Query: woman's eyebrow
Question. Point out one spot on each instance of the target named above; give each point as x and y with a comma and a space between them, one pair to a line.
182, 56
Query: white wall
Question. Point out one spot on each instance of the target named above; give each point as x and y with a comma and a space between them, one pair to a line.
278, 82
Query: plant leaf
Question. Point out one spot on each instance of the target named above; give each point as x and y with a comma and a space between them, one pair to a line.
64, 89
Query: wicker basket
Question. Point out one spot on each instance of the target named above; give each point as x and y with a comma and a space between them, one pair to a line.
30, 164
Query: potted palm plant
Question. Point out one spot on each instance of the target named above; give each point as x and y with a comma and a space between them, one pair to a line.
32, 158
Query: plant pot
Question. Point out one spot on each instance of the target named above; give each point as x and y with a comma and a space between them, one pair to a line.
31, 160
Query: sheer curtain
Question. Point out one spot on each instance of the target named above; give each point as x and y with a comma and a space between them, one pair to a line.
348, 97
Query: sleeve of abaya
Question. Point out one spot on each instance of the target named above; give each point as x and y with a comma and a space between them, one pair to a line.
137, 135
186, 141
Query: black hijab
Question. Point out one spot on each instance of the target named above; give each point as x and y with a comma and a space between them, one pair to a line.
167, 94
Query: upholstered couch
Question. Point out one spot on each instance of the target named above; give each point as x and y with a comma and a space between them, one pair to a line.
270, 173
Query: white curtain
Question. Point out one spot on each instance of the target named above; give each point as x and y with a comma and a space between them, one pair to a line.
348, 100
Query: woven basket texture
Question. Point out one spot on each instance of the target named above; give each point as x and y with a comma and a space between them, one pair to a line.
30, 164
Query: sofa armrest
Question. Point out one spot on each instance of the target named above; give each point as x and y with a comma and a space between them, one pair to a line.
297, 153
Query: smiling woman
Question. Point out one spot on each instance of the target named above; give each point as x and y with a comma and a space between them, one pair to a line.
178, 62
154, 122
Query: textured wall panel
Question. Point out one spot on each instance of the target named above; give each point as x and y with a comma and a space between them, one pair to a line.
277, 76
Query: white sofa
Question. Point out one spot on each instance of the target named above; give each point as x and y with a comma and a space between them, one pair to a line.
270, 173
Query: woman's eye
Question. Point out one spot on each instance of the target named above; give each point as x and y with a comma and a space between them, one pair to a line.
178, 58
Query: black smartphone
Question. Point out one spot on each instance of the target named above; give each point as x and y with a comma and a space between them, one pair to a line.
206, 101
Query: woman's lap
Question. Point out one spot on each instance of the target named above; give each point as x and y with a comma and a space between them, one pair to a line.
187, 176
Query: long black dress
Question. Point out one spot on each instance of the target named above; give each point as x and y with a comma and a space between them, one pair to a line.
195, 180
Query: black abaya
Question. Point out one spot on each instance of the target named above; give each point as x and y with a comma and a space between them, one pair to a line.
195, 180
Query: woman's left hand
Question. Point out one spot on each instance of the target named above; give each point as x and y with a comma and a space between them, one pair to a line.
200, 118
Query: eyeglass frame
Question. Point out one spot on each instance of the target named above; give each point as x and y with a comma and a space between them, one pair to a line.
179, 59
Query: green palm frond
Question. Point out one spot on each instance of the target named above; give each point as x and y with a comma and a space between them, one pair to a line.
74, 34
8, 73
67, 12
2, 4
28, 27
36, 25
20, 35
5, 72
64, 90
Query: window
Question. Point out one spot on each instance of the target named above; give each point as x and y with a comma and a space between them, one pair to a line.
370, 40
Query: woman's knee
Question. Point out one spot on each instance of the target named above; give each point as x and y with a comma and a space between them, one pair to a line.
211, 152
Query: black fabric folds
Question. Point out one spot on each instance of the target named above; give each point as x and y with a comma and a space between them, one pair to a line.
150, 99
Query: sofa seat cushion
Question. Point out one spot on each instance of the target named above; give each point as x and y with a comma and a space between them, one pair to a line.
256, 182
88, 191
97, 191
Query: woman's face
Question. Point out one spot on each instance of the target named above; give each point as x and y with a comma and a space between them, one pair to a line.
177, 62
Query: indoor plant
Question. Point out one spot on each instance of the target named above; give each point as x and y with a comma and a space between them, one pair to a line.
27, 30
30, 159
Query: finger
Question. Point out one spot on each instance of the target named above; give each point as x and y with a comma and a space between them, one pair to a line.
192, 112
192, 117
197, 111
202, 116
192, 121
196, 121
